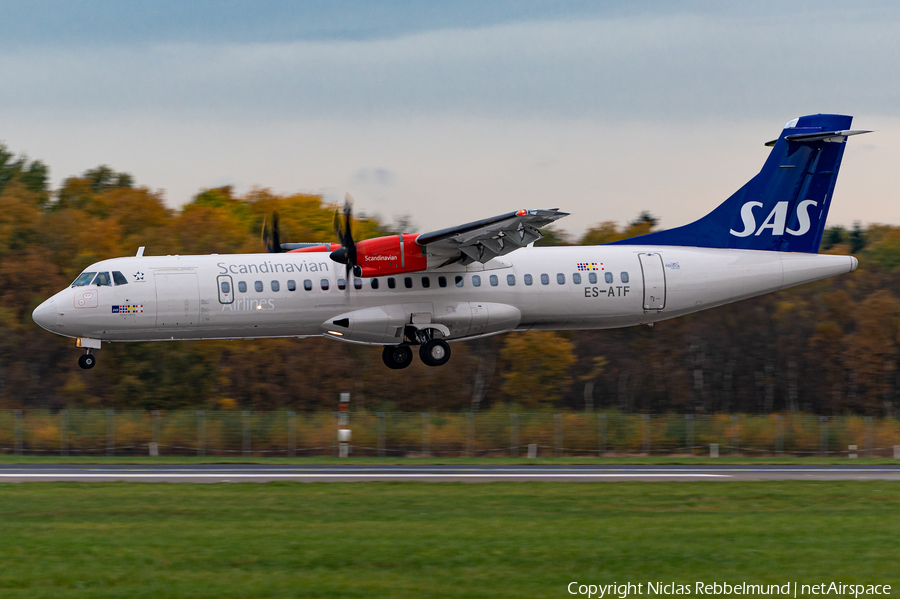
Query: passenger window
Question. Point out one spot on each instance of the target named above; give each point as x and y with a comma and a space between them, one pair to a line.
476, 281
576, 278
226, 287
83, 279
511, 280
624, 276
426, 282
607, 276
292, 285
357, 283
342, 283
407, 282
545, 279
307, 285
324, 284
494, 280
374, 283
242, 286
258, 286
392, 283
561, 279
103, 279
119, 278
459, 281
592, 278
528, 279
442, 281
276, 286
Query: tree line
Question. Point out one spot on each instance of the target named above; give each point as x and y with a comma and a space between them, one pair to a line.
829, 347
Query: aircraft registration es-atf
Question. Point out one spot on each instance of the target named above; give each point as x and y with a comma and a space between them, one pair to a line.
476, 279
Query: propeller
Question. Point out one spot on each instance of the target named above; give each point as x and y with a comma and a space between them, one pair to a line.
346, 254
273, 241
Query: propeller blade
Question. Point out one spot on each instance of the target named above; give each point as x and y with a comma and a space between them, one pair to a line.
346, 254
271, 241
276, 236
348, 242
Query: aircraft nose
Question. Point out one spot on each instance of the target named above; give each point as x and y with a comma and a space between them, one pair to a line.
45, 314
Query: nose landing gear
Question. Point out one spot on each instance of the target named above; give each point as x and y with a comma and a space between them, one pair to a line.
87, 361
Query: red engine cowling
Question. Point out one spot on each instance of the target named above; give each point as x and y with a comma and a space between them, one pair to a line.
390, 255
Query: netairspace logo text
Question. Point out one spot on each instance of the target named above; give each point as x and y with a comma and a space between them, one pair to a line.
718, 589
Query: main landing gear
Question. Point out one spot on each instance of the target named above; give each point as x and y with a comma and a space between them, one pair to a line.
434, 352
396, 357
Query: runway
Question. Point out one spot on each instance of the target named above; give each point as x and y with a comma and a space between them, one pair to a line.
238, 473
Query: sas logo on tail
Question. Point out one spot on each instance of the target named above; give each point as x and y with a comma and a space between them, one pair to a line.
776, 220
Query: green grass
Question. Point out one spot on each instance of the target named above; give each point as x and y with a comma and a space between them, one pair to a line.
637, 459
436, 540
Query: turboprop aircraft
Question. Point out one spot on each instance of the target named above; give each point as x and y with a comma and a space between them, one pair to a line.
476, 279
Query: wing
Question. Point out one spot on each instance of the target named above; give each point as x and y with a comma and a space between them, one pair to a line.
486, 239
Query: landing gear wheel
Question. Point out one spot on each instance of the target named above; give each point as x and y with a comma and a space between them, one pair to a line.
396, 357
87, 361
435, 352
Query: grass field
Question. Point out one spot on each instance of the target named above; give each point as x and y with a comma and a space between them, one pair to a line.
437, 540
634, 459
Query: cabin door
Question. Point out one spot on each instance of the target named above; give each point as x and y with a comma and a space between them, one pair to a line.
654, 281
177, 299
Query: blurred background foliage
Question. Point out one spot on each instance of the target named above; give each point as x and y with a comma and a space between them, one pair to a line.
829, 347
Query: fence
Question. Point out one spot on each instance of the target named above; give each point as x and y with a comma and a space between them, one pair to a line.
234, 433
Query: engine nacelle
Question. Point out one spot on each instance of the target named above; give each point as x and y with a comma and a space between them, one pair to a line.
387, 324
390, 255
311, 247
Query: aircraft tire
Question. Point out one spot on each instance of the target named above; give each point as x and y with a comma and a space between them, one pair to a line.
396, 357
435, 352
87, 361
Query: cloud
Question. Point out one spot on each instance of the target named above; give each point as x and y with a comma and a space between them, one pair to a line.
381, 177
100, 23
604, 112
662, 67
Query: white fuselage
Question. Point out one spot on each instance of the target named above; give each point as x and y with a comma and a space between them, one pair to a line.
182, 297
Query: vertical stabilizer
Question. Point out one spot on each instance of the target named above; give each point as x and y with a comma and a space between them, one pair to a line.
785, 206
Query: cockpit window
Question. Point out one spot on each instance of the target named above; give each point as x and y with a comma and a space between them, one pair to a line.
102, 279
119, 278
83, 279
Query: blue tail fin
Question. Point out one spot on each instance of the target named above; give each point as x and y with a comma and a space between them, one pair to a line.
784, 207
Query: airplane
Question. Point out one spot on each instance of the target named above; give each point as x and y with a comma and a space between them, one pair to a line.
477, 279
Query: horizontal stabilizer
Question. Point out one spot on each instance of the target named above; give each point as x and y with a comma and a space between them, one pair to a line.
829, 136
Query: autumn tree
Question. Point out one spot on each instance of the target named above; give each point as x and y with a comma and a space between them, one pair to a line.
536, 367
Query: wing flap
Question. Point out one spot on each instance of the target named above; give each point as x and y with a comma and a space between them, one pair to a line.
484, 240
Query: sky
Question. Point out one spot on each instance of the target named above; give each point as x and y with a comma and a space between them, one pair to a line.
446, 112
